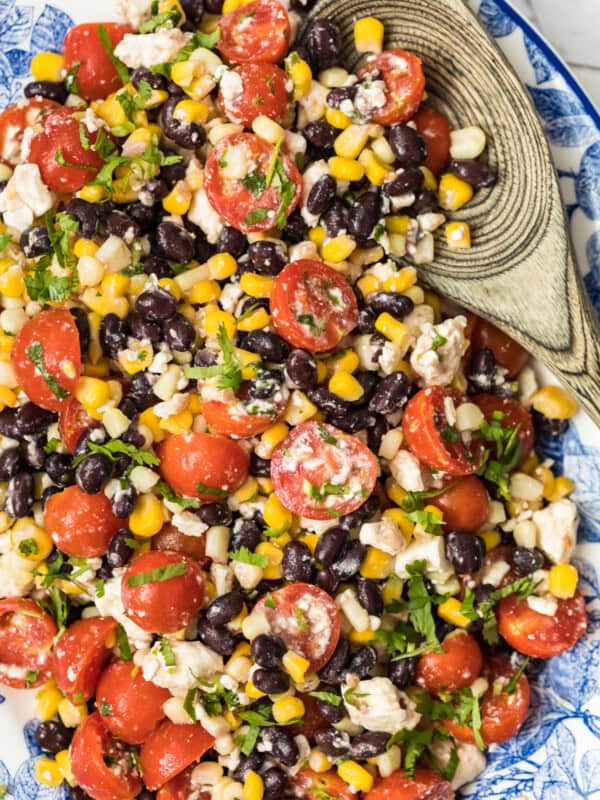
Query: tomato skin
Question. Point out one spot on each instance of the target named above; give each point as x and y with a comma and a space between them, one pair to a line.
264, 92
465, 504
80, 655
435, 130
15, 120
163, 606
135, 705
169, 538
426, 785
283, 621
180, 788
170, 749
90, 744
403, 75
26, 636
539, 635
216, 413
57, 333
304, 288
455, 668
73, 420
262, 37
186, 460
515, 414
424, 439
96, 76
309, 784
80, 524
60, 129
508, 353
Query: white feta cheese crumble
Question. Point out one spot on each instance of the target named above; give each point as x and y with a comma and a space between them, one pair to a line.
188, 523
424, 547
406, 471
438, 351
377, 705
543, 605
136, 12
557, 530
25, 197
203, 215
147, 49
194, 662
111, 605
384, 535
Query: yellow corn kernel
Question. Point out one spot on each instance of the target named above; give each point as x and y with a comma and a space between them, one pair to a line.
147, 518
254, 787
546, 476
231, 5
301, 75
255, 321
338, 249
346, 361
152, 422
252, 692
12, 283
242, 649
191, 112
434, 512
531, 463
407, 526
368, 284
395, 492
47, 701
136, 358
491, 538
453, 192
85, 247
48, 772
562, 581
397, 224
272, 437
92, 194
430, 182
561, 487
276, 515
318, 761
375, 170
299, 409
554, 402
392, 329
317, 235
450, 611
105, 305
287, 709
361, 637
221, 266
247, 491
194, 404
179, 199
171, 286
72, 714
355, 775
47, 67
63, 761
401, 281
295, 665
310, 540
322, 371
92, 393
345, 385
182, 73
204, 292
255, 285
115, 285
368, 35
392, 589
273, 571
214, 318
249, 362
376, 564
336, 118
346, 169
265, 486
458, 235
32, 542
177, 423
351, 141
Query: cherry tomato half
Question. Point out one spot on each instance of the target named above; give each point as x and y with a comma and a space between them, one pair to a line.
81, 524
80, 655
232, 416
263, 91
131, 707
73, 420
15, 120
426, 785
170, 749
424, 424
255, 207
515, 414
96, 74
204, 465
309, 785
53, 335
26, 636
162, 591
307, 619
539, 635
455, 668
257, 31
435, 130
404, 79
319, 472
170, 538
59, 144
465, 504
508, 353
502, 714
101, 766
312, 305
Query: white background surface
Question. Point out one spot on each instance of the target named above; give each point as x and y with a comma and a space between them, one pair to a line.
573, 27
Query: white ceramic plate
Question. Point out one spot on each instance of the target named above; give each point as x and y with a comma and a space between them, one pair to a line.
557, 754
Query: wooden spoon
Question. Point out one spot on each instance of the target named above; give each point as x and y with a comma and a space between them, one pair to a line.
520, 272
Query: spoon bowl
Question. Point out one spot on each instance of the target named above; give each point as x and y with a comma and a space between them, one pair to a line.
520, 272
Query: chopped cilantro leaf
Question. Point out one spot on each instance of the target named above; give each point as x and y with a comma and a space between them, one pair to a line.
107, 44
229, 371
168, 493
167, 653
246, 556
158, 575
36, 356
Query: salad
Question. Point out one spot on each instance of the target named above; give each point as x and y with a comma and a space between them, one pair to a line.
273, 523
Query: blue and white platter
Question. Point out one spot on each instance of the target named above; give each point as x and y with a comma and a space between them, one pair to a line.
557, 753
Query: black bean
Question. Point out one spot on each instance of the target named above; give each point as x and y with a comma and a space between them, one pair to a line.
35, 241
34, 453
156, 304
144, 329
123, 502
297, 562
32, 419
545, 426
155, 80
92, 473
20, 495
330, 545
333, 671
10, 463
231, 241
77, 793
9, 423
526, 560
362, 662
156, 189
369, 744
58, 467
482, 370
52, 736
245, 534
327, 401
275, 781
224, 608
348, 563
395, 303
366, 321
361, 514
329, 711
216, 637
354, 420
268, 345
335, 220
363, 215
267, 650
340, 94
425, 203
113, 334
476, 173
406, 181
86, 213
368, 381
266, 383
173, 173
402, 672
266, 258
271, 681
119, 552
301, 369
376, 433
96, 434
253, 763
179, 332
51, 90
259, 467
185, 134
155, 265
175, 242
464, 551
214, 514
320, 134
322, 195
332, 742
369, 596
295, 228
83, 328
279, 743
407, 145
119, 224
327, 580
392, 393
140, 391
323, 43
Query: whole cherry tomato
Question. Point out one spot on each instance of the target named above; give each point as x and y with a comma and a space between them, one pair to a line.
435, 130
81, 524
454, 668
465, 504
171, 748
96, 75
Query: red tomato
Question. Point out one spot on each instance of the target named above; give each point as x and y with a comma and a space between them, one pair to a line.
96, 75
232, 416
309, 785
246, 211
80, 524
312, 719
539, 635
306, 469
180, 788
263, 92
465, 504
502, 714
515, 414
426, 785
159, 603
169, 538
435, 130
424, 423
56, 334
60, 134
15, 120
312, 305
404, 79
170, 749
73, 420
131, 707
258, 31
203, 465
455, 668
101, 766
26, 636
307, 619
80, 655
508, 353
